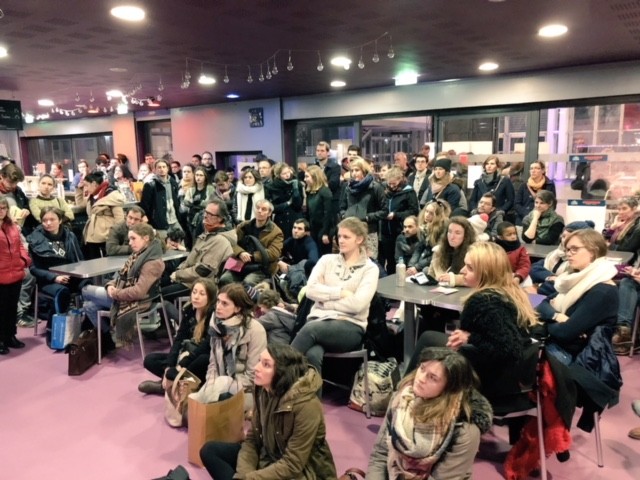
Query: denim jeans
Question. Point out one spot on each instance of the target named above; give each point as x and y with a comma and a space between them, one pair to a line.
628, 299
333, 336
26, 293
94, 300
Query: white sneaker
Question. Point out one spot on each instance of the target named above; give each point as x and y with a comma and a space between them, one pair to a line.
635, 405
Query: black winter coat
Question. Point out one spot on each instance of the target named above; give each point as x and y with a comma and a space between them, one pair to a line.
44, 255
402, 204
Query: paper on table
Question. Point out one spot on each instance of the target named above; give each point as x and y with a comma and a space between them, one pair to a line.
445, 290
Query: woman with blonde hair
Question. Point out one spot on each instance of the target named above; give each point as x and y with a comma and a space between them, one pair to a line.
322, 218
432, 225
342, 286
495, 319
191, 347
433, 424
365, 199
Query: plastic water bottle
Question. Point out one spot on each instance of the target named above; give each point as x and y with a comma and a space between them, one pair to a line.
401, 273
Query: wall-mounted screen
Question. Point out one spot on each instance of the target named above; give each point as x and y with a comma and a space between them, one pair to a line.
10, 115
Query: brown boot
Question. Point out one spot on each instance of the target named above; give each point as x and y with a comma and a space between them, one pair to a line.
622, 335
635, 433
151, 387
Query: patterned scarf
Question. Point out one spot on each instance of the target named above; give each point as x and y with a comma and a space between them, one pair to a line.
535, 186
225, 336
356, 186
620, 232
414, 448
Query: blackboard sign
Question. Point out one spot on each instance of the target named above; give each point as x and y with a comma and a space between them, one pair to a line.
10, 115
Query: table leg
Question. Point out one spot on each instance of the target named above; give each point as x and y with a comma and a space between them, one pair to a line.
409, 331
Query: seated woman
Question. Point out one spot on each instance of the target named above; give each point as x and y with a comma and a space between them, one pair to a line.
131, 291
432, 225
104, 208
287, 438
433, 424
587, 296
46, 198
190, 348
543, 225
624, 233
51, 244
495, 318
544, 272
236, 339
449, 259
342, 286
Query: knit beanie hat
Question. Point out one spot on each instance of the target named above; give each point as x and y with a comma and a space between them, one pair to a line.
443, 163
479, 222
579, 225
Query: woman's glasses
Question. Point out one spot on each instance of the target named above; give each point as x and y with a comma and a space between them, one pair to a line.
573, 249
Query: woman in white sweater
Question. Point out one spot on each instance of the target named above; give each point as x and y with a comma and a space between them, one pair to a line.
342, 286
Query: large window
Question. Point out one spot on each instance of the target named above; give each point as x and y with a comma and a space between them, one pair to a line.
68, 150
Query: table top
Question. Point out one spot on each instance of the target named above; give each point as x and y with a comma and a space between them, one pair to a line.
410, 292
105, 265
541, 251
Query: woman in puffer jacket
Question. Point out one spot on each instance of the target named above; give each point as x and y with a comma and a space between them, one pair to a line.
13, 260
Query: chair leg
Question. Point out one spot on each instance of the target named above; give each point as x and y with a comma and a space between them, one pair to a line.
543, 456
167, 322
35, 311
596, 423
140, 338
367, 394
101, 313
634, 332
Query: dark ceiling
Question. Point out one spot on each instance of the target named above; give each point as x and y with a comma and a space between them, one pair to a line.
58, 49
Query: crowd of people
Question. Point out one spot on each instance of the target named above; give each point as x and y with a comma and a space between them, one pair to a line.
258, 246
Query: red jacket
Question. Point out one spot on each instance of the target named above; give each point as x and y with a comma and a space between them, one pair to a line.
14, 257
520, 262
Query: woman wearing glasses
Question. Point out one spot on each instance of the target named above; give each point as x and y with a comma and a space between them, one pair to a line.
587, 296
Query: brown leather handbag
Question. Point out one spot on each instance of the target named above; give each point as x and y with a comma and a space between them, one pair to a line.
83, 353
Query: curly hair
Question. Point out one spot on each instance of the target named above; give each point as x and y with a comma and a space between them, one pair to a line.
453, 258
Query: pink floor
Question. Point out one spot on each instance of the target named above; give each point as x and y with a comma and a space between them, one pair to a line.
98, 426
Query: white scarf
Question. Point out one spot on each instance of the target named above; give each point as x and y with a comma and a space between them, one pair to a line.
242, 192
552, 259
571, 286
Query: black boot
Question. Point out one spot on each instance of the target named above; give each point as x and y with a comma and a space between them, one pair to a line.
13, 342
107, 342
4, 350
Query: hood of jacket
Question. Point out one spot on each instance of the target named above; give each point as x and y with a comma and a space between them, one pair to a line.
305, 388
39, 244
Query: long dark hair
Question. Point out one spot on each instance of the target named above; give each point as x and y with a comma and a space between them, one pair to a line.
239, 297
212, 295
447, 256
290, 365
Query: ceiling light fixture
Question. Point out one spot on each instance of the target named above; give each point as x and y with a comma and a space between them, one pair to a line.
129, 13
554, 30
360, 62
406, 78
448, 80
249, 78
122, 109
114, 93
206, 79
45, 102
3, 52
488, 66
376, 57
117, 69
226, 75
338, 84
290, 63
341, 61
391, 53
320, 67
233, 96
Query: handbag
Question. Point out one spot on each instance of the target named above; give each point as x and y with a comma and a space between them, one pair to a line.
175, 397
233, 264
382, 378
221, 421
352, 474
83, 353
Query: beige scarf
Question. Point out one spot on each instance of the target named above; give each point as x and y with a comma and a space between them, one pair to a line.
571, 286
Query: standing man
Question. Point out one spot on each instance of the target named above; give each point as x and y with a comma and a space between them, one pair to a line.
400, 160
196, 160
150, 161
176, 170
418, 179
265, 169
332, 171
160, 200
207, 163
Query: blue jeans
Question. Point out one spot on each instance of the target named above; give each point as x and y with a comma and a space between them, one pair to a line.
94, 300
334, 336
628, 299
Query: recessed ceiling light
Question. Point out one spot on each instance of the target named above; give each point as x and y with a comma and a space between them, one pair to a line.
488, 66
338, 83
129, 13
555, 30
341, 61
117, 69
406, 78
233, 96
206, 80
114, 93
45, 102
3, 52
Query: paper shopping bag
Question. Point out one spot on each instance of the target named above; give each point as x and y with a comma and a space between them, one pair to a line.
221, 421
65, 328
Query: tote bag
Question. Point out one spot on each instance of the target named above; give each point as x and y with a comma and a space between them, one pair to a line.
221, 421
